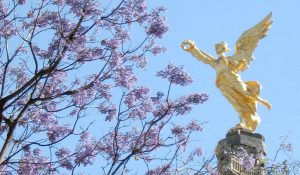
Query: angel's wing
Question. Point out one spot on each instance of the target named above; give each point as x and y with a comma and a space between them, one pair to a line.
248, 41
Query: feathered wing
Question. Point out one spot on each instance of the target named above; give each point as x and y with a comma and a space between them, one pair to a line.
248, 41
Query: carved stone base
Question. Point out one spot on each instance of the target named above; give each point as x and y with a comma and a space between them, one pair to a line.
241, 152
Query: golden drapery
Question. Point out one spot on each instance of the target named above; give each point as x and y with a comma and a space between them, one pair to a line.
242, 97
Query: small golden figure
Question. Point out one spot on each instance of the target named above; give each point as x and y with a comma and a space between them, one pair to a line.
242, 95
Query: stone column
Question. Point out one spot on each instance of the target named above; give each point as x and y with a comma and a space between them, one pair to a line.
241, 153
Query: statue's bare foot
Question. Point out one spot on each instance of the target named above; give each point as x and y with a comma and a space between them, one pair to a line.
240, 125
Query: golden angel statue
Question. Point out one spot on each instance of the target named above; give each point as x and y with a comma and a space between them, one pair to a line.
242, 95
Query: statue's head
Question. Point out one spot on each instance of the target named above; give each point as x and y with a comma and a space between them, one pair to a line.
221, 48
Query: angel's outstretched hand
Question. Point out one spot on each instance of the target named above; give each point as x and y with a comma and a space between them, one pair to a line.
188, 45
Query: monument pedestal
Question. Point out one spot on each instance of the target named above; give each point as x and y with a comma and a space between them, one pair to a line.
241, 153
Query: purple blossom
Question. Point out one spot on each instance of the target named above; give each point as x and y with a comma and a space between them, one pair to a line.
285, 145
176, 75
158, 97
64, 159
57, 132
162, 170
55, 85
179, 131
32, 163
8, 29
37, 152
62, 153
74, 112
116, 60
197, 98
158, 27
79, 56
89, 54
30, 14
5, 170
104, 90
7, 32
211, 170
109, 110
140, 6
87, 7
156, 50
21, 2
182, 106
112, 43
86, 154
153, 139
42, 120
163, 110
84, 136
138, 94
245, 159
133, 10
59, 2
3, 9
122, 34
19, 75
47, 18
140, 60
83, 96
137, 113
199, 151
194, 126
66, 163
3, 128
124, 77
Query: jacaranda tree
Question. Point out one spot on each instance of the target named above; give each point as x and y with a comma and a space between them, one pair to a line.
70, 95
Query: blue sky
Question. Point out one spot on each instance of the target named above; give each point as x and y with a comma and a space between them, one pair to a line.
276, 67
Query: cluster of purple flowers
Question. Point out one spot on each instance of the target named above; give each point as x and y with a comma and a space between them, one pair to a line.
176, 75
70, 57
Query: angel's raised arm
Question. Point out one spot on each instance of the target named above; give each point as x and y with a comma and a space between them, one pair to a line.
190, 46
